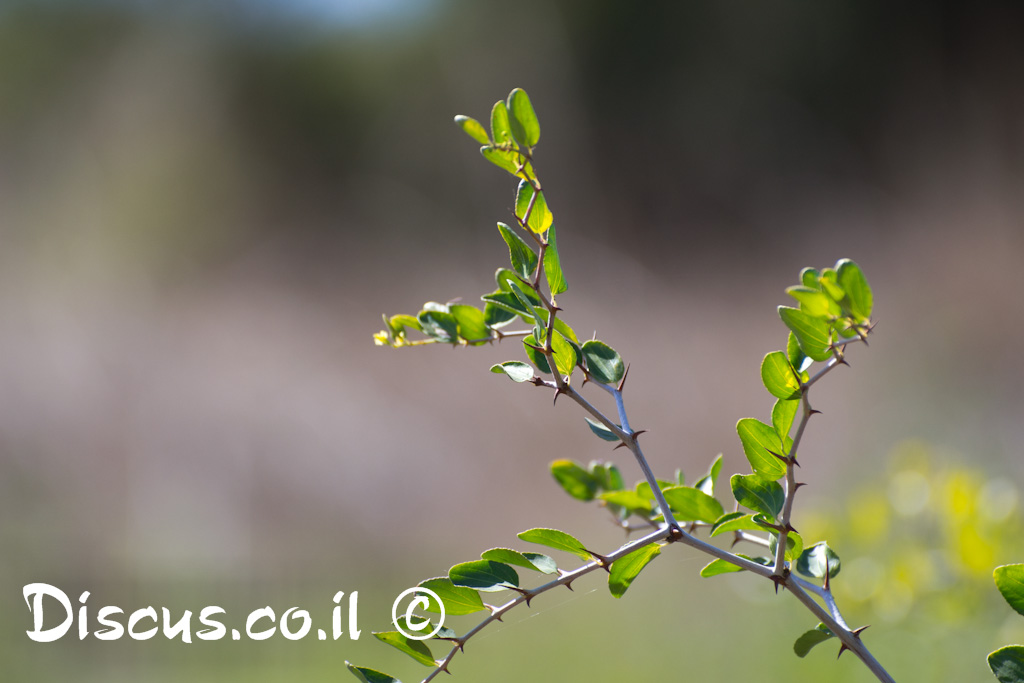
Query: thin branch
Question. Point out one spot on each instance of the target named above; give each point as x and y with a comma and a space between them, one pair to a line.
565, 579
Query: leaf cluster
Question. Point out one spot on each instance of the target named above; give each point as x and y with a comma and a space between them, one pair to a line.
833, 309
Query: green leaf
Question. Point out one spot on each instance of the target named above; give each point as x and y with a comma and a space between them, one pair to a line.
794, 545
852, 280
399, 322
484, 575
416, 649
1009, 580
644, 489
798, 358
501, 128
523, 258
692, 505
535, 356
757, 494
525, 126
497, 316
716, 567
576, 481
734, 521
818, 559
809, 278
440, 325
631, 500
783, 414
565, 354
370, 675
525, 301
471, 324
812, 334
707, 482
559, 540
443, 633
601, 431
829, 281
627, 568
1007, 663
457, 600
758, 438
607, 474
779, 377
473, 129
813, 302
603, 362
553, 266
509, 160
517, 370
502, 277
540, 217
817, 635
533, 561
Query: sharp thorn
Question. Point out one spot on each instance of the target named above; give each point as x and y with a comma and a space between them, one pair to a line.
568, 584
622, 382
621, 444
842, 649
857, 632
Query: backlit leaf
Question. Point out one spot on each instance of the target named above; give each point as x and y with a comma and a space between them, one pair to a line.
692, 505
473, 129
627, 568
523, 119
457, 600
576, 481
778, 376
523, 258
559, 540
1010, 581
553, 266
817, 635
758, 439
812, 334
416, 649
534, 212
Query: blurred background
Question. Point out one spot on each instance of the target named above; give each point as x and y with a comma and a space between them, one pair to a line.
206, 206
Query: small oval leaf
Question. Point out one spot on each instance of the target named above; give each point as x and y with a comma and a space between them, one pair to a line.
457, 600
559, 540
625, 569
1009, 580
484, 575
817, 635
576, 481
517, 370
473, 129
779, 377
